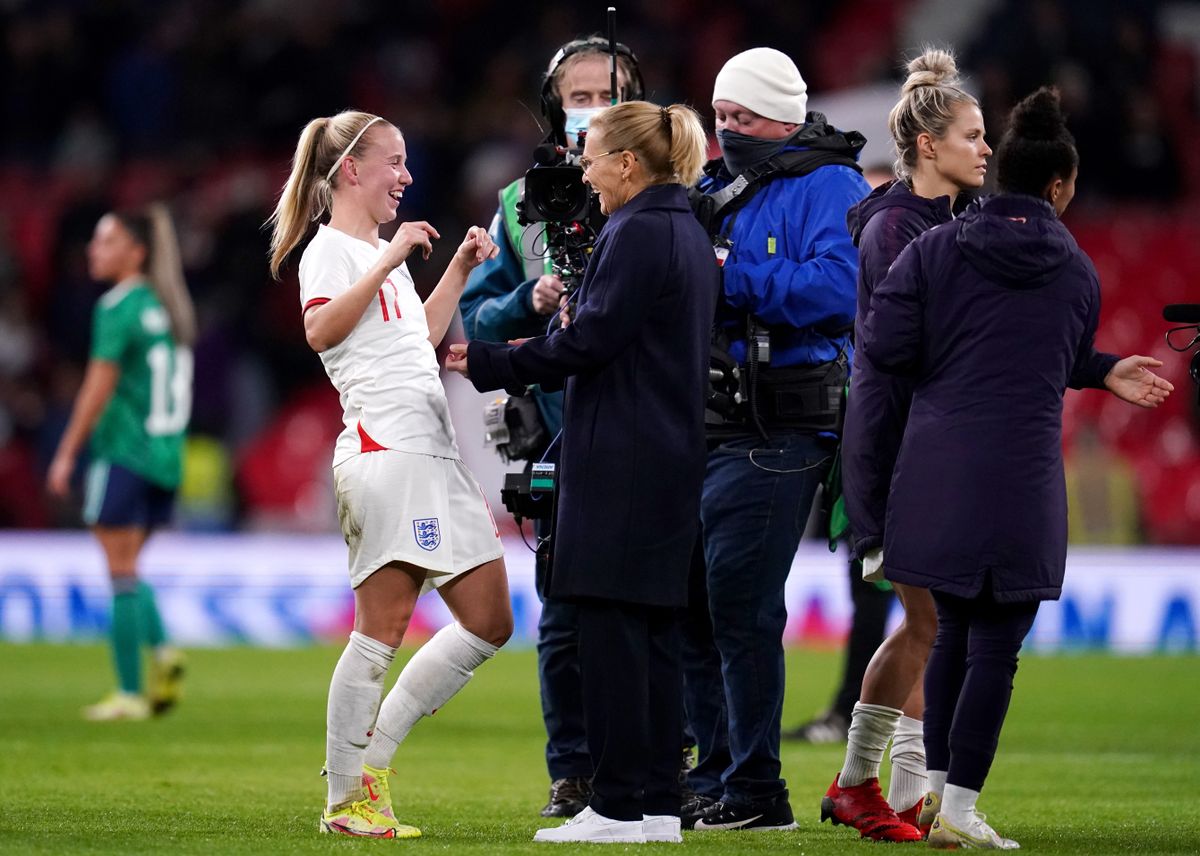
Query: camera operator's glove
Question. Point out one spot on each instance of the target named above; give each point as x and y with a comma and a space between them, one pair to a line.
872, 566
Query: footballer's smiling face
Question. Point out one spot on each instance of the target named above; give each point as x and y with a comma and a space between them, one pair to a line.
380, 174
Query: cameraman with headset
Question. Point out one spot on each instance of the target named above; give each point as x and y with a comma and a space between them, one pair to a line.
775, 205
516, 295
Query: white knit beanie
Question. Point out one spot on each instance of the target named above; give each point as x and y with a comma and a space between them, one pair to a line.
766, 81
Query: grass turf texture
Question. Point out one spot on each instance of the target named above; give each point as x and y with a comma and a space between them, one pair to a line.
1098, 756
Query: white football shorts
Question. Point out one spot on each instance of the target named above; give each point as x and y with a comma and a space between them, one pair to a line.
421, 509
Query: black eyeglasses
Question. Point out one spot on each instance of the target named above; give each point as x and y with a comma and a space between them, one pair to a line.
587, 162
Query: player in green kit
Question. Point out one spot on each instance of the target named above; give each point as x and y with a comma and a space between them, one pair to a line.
134, 404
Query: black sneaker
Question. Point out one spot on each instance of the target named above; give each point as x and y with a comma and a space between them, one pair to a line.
568, 797
766, 814
694, 805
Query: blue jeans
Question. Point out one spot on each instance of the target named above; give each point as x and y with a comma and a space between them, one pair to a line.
756, 501
567, 754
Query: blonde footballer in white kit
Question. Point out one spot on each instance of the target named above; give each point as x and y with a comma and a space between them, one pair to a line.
413, 516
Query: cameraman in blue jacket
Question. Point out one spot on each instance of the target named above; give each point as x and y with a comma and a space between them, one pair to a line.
783, 332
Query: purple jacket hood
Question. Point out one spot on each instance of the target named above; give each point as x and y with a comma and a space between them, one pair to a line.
1015, 240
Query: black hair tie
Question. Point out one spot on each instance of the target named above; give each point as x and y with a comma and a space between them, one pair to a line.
665, 114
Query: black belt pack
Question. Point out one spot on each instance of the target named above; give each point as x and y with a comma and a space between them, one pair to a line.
803, 397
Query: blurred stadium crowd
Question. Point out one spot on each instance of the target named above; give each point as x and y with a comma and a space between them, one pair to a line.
113, 103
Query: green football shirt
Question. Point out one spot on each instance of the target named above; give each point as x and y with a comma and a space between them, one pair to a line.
143, 426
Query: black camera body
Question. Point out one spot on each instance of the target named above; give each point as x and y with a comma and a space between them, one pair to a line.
555, 194
529, 494
556, 197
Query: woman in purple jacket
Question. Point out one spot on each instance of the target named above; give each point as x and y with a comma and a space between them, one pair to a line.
993, 317
938, 131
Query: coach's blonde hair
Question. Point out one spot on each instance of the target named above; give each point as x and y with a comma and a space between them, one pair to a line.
928, 100
308, 192
669, 141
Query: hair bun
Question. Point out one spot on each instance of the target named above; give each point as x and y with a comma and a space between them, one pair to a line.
934, 67
1039, 116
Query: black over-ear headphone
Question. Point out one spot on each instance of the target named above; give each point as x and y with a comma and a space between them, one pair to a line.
552, 108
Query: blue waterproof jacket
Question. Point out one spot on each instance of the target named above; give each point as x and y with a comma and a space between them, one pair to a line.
792, 264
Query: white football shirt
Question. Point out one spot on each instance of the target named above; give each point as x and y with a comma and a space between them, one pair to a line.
385, 371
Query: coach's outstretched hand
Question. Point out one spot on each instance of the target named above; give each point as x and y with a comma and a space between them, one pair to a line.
456, 360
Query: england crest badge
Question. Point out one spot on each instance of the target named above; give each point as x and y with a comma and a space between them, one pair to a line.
427, 533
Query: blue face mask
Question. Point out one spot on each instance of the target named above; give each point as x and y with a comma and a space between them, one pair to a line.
741, 152
578, 120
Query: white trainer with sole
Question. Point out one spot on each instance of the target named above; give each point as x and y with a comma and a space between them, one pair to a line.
588, 827
662, 827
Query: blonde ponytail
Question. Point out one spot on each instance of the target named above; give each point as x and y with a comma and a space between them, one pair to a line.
308, 192
689, 145
151, 227
165, 272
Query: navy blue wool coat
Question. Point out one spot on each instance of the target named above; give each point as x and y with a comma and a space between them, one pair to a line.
635, 359
993, 315
881, 225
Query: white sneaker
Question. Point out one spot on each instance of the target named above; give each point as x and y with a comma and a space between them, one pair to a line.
592, 828
116, 706
662, 827
973, 835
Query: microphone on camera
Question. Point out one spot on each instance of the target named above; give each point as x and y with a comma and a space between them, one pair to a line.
1182, 313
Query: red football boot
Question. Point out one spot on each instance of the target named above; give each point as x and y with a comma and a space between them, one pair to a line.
864, 808
912, 816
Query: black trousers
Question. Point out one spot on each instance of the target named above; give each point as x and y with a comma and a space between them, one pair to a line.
969, 682
632, 706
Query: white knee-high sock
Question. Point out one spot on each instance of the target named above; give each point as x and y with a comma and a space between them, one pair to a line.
441, 668
871, 727
937, 781
908, 765
354, 695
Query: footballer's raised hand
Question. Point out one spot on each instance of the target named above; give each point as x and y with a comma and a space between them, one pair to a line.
477, 247
408, 237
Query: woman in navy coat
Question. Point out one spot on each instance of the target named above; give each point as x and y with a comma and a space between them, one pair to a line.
635, 361
993, 316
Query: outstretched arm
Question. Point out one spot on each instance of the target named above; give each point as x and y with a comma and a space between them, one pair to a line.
1131, 380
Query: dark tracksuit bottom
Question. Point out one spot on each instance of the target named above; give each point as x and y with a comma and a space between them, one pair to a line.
969, 682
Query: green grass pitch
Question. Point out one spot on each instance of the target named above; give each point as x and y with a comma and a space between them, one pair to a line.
1100, 755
